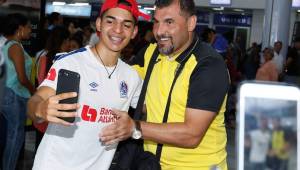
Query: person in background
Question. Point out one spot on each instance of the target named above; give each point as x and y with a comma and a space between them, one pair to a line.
278, 58
18, 87
73, 27
196, 114
145, 37
218, 42
250, 62
76, 41
55, 19
208, 35
87, 33
106, 82
293, 60
57, 42
268, 70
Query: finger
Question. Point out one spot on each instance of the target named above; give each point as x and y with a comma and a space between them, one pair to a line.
109, 130
111, 142
60, 121
63, 96
66, 106
108, 139
66, 114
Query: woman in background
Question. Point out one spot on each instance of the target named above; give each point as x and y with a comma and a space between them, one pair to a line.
18, 87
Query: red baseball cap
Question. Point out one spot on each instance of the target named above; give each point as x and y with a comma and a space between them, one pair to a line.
133, 9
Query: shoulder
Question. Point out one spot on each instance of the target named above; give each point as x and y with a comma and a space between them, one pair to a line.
71, 54
204, 50
126, 68
128, 71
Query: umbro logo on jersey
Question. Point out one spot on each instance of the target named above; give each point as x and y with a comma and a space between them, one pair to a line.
93, 86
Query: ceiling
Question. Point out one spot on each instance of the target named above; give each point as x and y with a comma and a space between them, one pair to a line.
245, 4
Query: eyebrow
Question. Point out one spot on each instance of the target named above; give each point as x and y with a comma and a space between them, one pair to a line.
114, 18
164, 20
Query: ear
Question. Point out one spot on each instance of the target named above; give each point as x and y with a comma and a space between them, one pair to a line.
98, 24
192, 22
135, 31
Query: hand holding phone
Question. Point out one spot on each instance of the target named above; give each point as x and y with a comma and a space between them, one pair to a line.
68, 81
268, 121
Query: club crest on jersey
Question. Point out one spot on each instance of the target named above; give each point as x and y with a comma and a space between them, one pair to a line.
123, 89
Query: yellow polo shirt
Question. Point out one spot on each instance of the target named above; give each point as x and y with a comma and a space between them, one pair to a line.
202, 84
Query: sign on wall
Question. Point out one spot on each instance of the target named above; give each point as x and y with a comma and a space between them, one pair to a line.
233, 20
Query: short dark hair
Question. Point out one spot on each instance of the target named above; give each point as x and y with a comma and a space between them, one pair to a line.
54, 16
279, 42
12, 23
205, 32
123, 2
186, 6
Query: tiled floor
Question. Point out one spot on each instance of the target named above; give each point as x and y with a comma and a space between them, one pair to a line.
26, 162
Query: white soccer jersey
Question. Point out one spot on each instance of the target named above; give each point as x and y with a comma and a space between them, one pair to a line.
78, 147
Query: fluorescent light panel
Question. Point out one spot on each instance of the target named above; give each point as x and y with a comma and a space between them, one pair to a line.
58, 3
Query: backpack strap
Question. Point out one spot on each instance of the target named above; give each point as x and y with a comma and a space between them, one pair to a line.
139, 108
185, 56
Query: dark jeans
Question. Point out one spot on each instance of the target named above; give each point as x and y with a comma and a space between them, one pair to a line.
14, 112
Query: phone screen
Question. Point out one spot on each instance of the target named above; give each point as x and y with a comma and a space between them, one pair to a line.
68, 81
268, 130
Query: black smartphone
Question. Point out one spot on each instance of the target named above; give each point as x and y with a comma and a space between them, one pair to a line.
68, 81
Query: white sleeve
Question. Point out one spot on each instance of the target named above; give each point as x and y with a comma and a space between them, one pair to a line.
51, 79
137, 92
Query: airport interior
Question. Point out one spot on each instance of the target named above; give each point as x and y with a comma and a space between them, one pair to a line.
244, 31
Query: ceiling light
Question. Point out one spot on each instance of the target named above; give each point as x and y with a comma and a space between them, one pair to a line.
58, 3
149, 8
238, 10
219, 9
79, 4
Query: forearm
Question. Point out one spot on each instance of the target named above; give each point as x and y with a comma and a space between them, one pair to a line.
176, 134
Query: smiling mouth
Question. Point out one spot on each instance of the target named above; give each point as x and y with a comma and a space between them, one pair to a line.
115, 40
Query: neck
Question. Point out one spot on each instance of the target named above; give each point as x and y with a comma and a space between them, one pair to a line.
108, 57
13, 37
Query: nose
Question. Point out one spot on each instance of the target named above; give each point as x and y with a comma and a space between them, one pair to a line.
159, 29
118, 27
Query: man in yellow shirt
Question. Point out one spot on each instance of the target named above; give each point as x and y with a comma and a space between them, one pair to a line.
194, 137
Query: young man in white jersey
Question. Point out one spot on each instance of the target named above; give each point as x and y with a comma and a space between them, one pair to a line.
105, 83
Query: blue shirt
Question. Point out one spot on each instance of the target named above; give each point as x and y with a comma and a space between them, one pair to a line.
12, 80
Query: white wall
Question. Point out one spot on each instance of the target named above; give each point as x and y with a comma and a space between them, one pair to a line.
257, 26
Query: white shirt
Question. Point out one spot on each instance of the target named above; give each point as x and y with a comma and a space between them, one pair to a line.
278, 61
259, 145
78, 147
